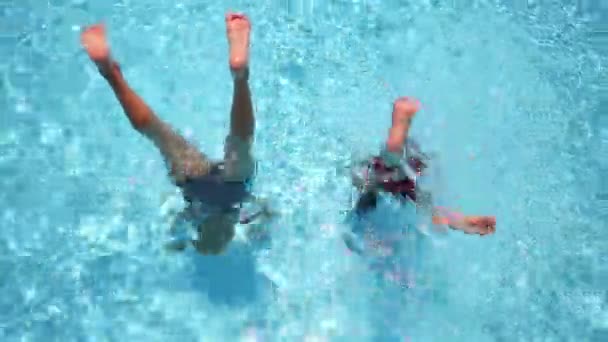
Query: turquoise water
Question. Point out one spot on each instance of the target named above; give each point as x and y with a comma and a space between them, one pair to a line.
510, 101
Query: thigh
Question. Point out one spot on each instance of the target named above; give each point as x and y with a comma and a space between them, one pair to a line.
183, 159
239, 164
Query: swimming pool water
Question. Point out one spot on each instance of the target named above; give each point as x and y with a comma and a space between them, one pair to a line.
509, 101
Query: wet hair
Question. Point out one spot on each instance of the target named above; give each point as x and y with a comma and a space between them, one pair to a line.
214, 234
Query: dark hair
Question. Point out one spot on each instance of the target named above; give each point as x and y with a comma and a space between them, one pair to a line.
368, 201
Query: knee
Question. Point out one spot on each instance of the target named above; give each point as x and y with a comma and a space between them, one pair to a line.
141, 124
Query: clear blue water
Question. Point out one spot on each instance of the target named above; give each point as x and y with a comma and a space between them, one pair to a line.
510, 102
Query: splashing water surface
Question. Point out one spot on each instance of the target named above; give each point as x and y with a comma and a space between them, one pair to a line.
508, 104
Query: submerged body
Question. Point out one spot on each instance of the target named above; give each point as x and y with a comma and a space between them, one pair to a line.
395, 171
214, 192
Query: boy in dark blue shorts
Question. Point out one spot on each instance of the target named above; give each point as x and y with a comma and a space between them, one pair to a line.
214, 191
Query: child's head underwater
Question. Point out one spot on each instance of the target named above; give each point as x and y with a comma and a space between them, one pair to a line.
215, 233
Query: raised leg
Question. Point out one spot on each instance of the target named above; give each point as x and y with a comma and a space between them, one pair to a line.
239, 164
242, 120
404, 110
183, 159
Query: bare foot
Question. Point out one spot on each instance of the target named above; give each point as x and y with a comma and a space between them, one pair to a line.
404, 110
95, 43
238, 28
481, 225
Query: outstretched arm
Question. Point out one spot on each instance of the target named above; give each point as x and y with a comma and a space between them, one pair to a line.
183, 158
481, 225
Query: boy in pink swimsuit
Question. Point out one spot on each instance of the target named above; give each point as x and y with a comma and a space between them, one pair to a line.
214, 191
390, 173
